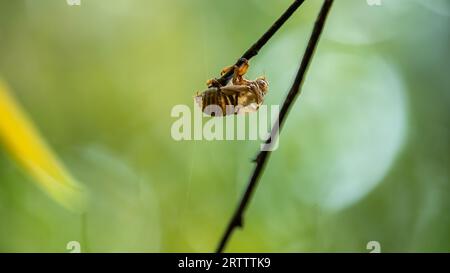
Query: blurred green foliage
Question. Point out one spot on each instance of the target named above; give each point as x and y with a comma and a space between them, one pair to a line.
364, 154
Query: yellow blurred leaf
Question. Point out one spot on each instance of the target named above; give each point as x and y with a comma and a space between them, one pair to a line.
25, 144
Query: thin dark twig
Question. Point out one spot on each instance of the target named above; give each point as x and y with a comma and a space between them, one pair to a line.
254, 49
237, 219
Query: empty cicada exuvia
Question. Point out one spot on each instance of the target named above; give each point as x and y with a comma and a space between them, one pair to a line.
238, 96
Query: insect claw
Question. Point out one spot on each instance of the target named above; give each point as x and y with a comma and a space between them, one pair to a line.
243, 60
213, 83
226, 69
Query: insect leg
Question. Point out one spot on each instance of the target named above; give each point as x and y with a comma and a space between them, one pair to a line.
212, 82
239, 72
226, 69
234, 89
243, 67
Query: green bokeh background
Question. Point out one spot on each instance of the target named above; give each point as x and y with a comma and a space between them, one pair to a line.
364, 155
